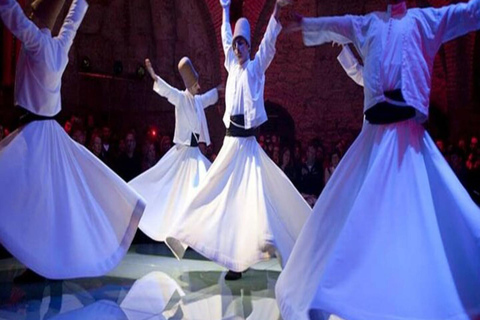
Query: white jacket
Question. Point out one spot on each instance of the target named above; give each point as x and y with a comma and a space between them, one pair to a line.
420, 31
246, 83
43, 58
189, 111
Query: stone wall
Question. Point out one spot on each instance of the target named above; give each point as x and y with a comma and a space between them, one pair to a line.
307, 83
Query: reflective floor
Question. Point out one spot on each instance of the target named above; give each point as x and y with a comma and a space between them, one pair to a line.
148, 284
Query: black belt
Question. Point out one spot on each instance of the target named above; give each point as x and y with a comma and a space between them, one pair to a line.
386, 112
236, 128
26, 117
194, 139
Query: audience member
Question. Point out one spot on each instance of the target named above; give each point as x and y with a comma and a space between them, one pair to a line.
334, 160
311, 173
129, 163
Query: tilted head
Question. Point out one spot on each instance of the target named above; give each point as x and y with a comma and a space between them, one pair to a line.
45, 12
189, 75
241, 40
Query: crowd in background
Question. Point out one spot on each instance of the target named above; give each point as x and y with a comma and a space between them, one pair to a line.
308, 164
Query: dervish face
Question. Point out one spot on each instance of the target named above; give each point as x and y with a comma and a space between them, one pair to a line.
195, 89
241, 50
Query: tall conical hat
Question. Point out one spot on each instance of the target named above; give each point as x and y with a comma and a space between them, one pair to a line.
47, 11
242, 29
187, 71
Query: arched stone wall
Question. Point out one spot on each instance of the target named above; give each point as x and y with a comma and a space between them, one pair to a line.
308, 82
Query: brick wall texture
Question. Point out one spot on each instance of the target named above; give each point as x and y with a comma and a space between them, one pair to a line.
306, 84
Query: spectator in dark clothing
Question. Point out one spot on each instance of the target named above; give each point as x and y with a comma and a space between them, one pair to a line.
107, 150
130, 162
457, 162
288, 167
311, 173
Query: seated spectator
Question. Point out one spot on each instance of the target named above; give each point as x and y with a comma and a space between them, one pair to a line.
311, 175
68, 127
165, 145
320, 153
79, 135
107, 153
261, 142
288, 166
150, 157
462, 147
440, 145
129, 163
269, 150
473, 144
333, 163
457, 162
96, 146
298, 154
276, 154
275, 140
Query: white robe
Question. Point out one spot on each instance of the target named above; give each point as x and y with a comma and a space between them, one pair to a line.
169, 184
394, 235
244, 211
63, 213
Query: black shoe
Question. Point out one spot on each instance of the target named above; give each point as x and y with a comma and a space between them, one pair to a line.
232, 275
29, 277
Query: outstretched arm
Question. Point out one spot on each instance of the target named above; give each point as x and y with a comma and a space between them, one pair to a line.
23, 28
227, 34
449, 22
72, 22
150, 70
210, 97
267, 50
340, 29
161, 87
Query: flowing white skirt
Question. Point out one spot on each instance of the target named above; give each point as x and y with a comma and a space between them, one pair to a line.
63, 213
167, 186
393, 236
244, 209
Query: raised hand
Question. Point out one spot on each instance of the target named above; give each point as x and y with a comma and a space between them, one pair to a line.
278, 6
150, 70
295, 23
283, 3
221, 91
225, 3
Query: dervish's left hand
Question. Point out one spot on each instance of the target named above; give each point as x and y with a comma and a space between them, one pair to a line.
283, 3
221, 91
225, 3
295, 23
150, 70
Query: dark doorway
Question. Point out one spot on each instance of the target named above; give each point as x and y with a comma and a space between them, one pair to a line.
280, 123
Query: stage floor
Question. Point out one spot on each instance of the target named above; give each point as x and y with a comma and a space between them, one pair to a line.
148, 284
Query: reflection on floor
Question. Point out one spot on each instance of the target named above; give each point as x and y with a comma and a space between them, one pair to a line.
148, 284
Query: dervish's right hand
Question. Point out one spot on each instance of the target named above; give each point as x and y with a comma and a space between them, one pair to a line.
150, 70
295, 23
283, 3
225, 3
221, 91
